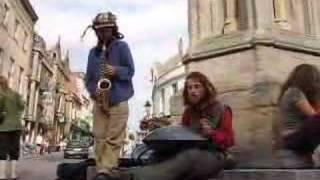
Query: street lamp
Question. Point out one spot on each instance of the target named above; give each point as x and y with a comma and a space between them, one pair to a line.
147, 107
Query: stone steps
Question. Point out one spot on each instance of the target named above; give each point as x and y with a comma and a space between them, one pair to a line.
256, 174
270, 174
282, 165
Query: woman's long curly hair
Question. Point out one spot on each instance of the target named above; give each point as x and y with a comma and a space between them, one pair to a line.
210, 91
305, 77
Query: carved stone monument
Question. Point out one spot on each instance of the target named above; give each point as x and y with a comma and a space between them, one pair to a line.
248, 65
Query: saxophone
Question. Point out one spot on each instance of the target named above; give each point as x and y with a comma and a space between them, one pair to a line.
104, 83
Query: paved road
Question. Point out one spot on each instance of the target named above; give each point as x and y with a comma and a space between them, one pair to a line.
41, 168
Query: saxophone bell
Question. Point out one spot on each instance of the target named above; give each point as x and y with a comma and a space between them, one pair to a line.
104, 84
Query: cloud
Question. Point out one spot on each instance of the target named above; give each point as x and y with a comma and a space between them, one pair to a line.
151, 28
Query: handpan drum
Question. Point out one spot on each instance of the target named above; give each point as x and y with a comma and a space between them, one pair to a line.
173, 139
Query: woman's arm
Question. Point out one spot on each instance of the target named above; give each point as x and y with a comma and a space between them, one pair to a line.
223, 136
305, 107
316, 107
294, 96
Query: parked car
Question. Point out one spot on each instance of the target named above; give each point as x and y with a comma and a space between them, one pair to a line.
76, 149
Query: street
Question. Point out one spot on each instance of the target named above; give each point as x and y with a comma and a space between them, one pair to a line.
41, 168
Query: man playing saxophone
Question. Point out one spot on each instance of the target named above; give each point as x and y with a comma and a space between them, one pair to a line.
110, 60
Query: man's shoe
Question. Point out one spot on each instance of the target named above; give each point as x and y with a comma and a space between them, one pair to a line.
124, 176
103, 176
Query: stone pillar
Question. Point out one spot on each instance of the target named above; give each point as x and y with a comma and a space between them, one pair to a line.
316, 16
193, 21
205, 18
262, 15
35, 113
33, 83
24, 93
280, 11
230, 23
39, 71
313, 17
59, 133
297, 16
250, 13
217, 17
31, 99
36, 102
25, 87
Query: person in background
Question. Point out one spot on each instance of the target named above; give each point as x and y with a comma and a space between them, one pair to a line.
299, 102
39, 143
10, 129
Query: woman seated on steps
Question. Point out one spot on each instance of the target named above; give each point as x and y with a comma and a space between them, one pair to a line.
207, 116
299, 104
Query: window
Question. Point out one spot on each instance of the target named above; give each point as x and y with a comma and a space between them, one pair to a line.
25, 41
211, 16
181, 84
6, 14
174, 88
16, 29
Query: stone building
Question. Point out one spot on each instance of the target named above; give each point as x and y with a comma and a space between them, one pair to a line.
17, 20
57, 99
85, 112
82, 106
48, 100
168, 81
63, 98
41, 90
40, 74
247, 48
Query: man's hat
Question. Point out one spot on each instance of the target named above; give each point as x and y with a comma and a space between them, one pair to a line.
105, 19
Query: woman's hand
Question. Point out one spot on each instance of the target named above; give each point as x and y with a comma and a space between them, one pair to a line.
205, 127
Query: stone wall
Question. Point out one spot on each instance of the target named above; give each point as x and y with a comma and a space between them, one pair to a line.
249, 81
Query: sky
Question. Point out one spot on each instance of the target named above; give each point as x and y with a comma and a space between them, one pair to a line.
152, 29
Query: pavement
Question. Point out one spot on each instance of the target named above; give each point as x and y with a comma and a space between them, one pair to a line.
41, 167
